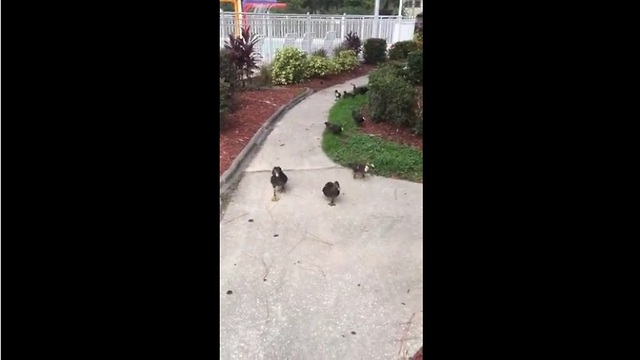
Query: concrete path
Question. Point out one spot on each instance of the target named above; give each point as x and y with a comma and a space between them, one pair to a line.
310, 281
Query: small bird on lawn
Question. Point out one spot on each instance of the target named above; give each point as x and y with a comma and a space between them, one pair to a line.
331, 190
359, 90
347, 95
361, 169
333, 128
278, 179
338, 95
357, 117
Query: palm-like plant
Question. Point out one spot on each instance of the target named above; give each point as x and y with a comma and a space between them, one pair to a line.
242, 53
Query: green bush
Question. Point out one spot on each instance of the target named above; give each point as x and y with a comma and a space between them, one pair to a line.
228, 70
415, 69
264, 77
398, 68
321, 52
401, 49
375, 51
225, 101
352, 42
290, 66
391, 98
346, 60
338, 49
320, 66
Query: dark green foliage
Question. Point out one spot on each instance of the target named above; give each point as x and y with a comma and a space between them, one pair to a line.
225, 101
391, 98
375, 51
399, 68
401, 49
338, 49
228, 71
415, 64
352, 42
242, 53
321, 52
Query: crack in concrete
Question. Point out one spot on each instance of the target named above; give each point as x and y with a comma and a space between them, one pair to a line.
406, 331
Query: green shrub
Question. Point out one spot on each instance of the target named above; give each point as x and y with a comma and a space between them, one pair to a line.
321, 52
228, 71
398, 68
415, 69
225, 101
338, 49
264, 77
290, 66
375, 51
320, 66
346, 61
401, 49
391, 98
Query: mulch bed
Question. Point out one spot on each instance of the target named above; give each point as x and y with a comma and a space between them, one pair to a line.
418, 355
390, 131
255, 106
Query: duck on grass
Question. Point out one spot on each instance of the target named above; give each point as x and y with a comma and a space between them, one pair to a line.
353, 146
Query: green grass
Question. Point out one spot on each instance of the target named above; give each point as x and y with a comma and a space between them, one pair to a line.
353, 146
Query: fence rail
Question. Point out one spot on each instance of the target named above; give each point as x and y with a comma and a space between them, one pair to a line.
311, 32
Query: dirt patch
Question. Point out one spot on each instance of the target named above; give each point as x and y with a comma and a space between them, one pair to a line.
255, 106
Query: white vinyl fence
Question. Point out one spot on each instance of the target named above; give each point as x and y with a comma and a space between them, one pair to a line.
311, 32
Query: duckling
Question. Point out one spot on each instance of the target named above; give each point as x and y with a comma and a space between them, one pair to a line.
346, 95
331, 190
337, 94
357, 117
361, 169
278, 179
334, 128
359, 90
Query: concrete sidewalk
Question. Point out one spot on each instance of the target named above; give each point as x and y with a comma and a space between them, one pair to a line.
311, 281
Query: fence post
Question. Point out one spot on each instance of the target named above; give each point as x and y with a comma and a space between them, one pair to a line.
342, 26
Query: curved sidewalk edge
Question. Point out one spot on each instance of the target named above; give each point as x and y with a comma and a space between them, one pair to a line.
233, 172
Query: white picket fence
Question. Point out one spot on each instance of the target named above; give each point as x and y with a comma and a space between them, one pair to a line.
311, 32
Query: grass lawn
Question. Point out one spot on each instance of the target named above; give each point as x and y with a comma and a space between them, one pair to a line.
352, 146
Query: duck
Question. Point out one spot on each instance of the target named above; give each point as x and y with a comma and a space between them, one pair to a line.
331, 190
333, 128
278, 179
337, 94
359, 90
347, 95
361, 169
357, 117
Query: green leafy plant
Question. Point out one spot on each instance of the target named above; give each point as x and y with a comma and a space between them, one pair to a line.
338, 49
225, 101
320, 66
242, 53
398, 68
228, 71
346, 60
321, 52
415, 67
352, 42
391, 98
401, 49
264, 77
375, 51
290, 66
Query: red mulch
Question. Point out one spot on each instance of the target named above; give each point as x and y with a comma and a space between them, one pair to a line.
255, 106
418, 355
389, 131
